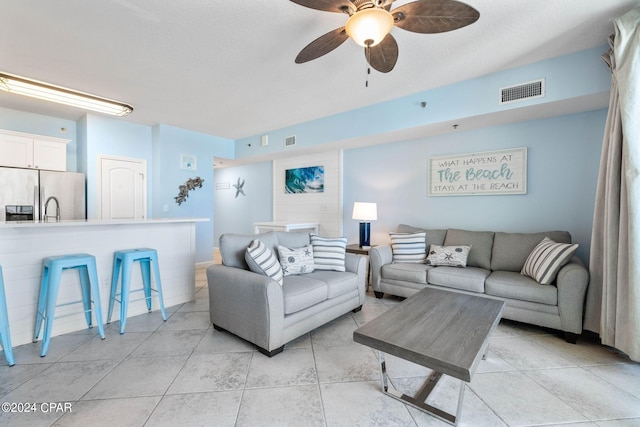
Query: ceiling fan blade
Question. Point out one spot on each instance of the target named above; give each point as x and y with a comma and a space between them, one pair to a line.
434, 16
322, 45
384, 55
339, 6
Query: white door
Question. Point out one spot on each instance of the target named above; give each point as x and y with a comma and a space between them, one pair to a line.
123, 188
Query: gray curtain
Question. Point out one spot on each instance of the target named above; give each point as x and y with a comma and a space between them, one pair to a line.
613, 298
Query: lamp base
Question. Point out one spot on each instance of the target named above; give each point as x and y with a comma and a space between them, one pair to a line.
365, 235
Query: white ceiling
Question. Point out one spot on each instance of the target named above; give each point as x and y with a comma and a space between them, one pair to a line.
227, 68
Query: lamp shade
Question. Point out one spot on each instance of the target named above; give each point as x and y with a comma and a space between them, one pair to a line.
365, 211
368, 27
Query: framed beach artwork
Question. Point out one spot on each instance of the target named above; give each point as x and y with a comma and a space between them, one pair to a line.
304, 180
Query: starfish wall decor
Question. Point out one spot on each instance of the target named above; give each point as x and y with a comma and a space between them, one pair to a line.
239, 187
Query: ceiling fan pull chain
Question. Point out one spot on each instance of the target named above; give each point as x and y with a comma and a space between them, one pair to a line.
368, 53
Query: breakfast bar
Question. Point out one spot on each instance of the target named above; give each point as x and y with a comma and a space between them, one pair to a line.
23, 246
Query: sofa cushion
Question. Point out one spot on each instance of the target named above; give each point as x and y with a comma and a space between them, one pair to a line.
302, 291
293, 239
262, 260
338, 283
546, 259
468, 279
452, 256
234, 246
296, 261
481, 243
513, 285
329, 252
416, 273
433, 237
510, 250
408, 247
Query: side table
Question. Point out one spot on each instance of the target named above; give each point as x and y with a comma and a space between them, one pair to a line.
356, 249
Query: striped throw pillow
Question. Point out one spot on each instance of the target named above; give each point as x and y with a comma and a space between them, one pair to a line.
262, 260
409, 247
329, 252
546, 259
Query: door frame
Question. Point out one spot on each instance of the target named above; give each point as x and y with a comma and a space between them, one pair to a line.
142, 162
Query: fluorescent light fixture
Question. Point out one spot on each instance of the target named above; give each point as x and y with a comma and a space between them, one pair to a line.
35, 89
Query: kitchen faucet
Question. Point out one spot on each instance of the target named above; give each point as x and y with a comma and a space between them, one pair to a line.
46, 204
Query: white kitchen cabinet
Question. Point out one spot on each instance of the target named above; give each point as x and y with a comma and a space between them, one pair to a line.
24, 150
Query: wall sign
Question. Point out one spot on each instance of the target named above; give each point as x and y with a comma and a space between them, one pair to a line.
487, 173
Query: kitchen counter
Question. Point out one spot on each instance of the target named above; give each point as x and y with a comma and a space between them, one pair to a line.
83, 222
23, 245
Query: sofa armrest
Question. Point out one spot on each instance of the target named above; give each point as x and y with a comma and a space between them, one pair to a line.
379, 256
358, 264
246, 304
572, 282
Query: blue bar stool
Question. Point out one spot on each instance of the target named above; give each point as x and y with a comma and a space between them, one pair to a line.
52, 269
4, 324
124, 260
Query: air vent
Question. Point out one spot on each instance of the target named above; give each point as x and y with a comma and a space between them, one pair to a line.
290, 141
520, 92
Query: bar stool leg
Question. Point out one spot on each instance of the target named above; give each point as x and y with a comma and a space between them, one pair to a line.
5, 336
42, 302
114, 285
6, 344
92, 274
52, 296
124, 294
145, 269
156, 273
86, 293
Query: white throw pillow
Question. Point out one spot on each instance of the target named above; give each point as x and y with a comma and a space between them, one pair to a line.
329, 252
452, 256
546, 259
262, 260
296, 261
409, 247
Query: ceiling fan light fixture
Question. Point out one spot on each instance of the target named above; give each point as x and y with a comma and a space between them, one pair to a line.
47, 92
368, 27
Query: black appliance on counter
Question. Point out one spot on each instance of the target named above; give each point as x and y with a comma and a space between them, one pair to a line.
18, 213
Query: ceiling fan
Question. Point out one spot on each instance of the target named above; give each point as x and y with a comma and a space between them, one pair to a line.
370, 22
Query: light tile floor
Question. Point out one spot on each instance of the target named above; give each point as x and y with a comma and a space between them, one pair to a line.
182, 372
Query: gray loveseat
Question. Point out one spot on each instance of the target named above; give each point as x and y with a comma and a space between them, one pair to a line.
256, 308
493, 269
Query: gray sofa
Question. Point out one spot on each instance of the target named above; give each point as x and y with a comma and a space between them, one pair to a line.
256, 308
493, 269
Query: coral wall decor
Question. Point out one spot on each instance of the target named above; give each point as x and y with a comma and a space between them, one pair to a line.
190, 184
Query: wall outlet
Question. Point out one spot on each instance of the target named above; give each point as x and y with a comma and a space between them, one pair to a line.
165, 208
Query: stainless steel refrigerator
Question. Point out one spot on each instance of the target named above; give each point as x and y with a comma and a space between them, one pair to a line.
31, 187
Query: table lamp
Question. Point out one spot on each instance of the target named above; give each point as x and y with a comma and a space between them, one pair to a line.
365, 212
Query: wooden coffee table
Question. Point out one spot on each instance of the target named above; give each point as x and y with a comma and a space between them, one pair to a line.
447, 332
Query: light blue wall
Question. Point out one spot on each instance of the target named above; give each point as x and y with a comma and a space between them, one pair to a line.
237, 214
38, 124
563, 160
169, 143
571, 76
